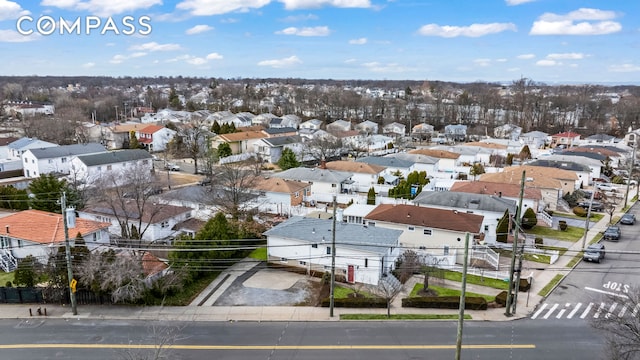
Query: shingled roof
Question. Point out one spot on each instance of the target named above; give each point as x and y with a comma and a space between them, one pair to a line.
428, 217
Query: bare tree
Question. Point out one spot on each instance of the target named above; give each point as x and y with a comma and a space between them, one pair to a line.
388, 290
323, 147
621, 331
162, 337
194, 137
233, 186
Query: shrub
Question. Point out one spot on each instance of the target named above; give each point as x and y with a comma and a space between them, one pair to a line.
580, 211
445, 302
8, 284
356, 302
501, 298
529, 219
562, 225
539, 241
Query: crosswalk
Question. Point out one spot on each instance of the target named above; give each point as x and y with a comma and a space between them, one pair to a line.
583, 311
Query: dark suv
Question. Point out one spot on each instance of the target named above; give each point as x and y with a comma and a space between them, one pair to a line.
612, 233
594, 252
595, 206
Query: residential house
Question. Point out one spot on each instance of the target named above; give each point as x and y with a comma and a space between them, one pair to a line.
4, 146
313, 124
280, 131
583, 171
491, 207
531, 197
362, 254
189, 227
456, 132
367, 127
379, 144
290, 120
156, 222
507, 131
118, 136
565, 140
355, 213
280, 196
422, 131
20, 146
270, 149
394, 166
553, 183
394, 129
92, 167
600, 139
55, 160
40, 233
435, 233
155, 137
240, 142
324, 183
602, 153
447, 161
339, 125
535, 139
199, 198
28, 108
421, 162
263, 119
590, 160
8, 166
365, 176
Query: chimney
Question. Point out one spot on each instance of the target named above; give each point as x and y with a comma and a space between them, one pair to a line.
70, 214
499, 193
7, 227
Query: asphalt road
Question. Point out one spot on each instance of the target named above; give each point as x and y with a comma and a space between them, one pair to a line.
603, 286
89, 339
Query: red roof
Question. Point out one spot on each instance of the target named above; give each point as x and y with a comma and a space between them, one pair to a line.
566, 134
45, 227
150, 129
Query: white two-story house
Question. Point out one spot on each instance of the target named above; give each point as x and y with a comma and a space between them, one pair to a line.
55, 160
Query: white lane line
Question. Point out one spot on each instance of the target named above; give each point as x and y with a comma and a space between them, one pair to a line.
606, 292
597, 314
544, 306
624, 309
586, 311
635, 310
574, 311
553, 308
611, 309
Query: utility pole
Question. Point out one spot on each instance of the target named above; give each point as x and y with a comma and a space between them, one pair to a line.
462, 296
586, 222
333, 258
116, 113
67, 248
514, 250
633, 159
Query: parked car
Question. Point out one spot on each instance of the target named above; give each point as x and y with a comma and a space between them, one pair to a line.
172, 167
205, 182
606, 187
628, 219
595, 206
612, 233
594, 252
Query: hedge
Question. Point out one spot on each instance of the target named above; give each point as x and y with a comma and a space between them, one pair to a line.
356, 302
445, 302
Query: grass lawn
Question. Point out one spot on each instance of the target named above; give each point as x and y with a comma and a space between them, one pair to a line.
402, 317
545, 290
477, 280
259, 254
4, 277
573, 233
594, 216
341, 292
575, 260
449, 292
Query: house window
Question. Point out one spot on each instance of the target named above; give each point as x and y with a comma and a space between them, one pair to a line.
333, 185
99, 168
328, 250
26, 160
50, 161
20, 243
486, 228
427, 231
33, 161
297, 194
64, 159
284, 260
303, 263
145, 162
96, 236
315, 246
366, 262
411, 228
164, 224
109, 167
372, 223
4, 242
446, 249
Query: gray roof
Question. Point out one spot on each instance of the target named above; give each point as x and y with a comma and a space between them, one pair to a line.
386, 161
416, 158
195, 194
25, 141
466, 201
113, 157
566, 165
376, 240
587, 154
283, 140
67, 150
276, 131
314, 175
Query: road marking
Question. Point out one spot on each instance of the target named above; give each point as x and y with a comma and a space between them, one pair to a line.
624, 309
635, 310
267, 347
597, 314
606, 292
586, 311
611, 309
574, 311
544, 306
561, 312
553, 308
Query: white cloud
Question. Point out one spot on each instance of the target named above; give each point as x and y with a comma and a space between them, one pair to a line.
584, 21
281, 63
306, 31
214, 56
88, 65
118, 59
526, 56
154, 46
198, 29
567, 56
196, 61
474, 30
297, 18
502, 60
624, 68
350, 61
360, 41
308, 4
217, 7
138, 54
102, 7
482, 62
384, 68
15, 37
517, 2
229, 21
547, 62
11, 10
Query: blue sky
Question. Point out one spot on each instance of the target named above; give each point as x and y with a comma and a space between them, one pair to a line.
553, 41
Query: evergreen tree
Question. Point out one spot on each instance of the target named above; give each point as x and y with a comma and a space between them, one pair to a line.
224, 150
288, 160
13, 199
529, 219
476, 169
215, 128
371, 196
133, 140
502, 229
46, 192
525, 153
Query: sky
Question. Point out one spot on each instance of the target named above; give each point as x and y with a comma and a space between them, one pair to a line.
551, 41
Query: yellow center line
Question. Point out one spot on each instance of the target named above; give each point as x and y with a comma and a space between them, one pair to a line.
264, 347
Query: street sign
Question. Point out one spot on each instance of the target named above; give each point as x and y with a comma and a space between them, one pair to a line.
73, 284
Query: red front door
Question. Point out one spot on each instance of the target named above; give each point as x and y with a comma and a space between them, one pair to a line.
351, 274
